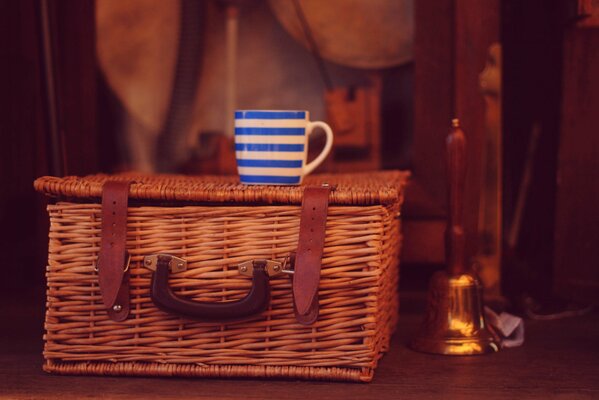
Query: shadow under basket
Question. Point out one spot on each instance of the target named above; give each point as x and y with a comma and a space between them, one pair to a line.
215, 224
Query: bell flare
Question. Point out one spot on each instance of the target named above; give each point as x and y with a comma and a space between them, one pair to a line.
454, 323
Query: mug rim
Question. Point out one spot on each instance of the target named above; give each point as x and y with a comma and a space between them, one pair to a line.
303, 115
263, 110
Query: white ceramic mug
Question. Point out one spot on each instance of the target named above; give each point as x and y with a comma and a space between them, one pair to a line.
271, 146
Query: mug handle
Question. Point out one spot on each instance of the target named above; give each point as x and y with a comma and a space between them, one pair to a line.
327, 147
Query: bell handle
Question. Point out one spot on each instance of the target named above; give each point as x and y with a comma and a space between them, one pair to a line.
455, 245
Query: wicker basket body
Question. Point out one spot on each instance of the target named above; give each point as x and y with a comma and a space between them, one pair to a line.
357, 292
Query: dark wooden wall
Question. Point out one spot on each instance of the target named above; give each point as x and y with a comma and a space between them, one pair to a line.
452, 39
23, 145
577, 216
25, 137
532, 35
72, 29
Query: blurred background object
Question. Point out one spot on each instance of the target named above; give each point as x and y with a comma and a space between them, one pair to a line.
488, 256
357, 33
150, 55
109, 86
179, 68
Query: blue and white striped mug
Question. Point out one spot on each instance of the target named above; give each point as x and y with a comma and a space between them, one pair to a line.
271, 146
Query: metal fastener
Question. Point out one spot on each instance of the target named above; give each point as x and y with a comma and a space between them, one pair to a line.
148, 261
276, 267
243, 268
117, 307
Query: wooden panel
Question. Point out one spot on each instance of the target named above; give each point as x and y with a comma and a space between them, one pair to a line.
532, 71
577, 219
425, 207
423, 241
73, 42
433, 95
25, 137
452, 38
476, 28
22, 148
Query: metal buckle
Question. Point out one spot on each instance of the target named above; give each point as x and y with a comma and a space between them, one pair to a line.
271, 267
96, 267
128, 261
284, 268
176, 264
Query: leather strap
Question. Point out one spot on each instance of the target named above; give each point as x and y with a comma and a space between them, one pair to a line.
308, 260
113, 260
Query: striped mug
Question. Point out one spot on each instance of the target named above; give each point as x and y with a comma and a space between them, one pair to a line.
271, 146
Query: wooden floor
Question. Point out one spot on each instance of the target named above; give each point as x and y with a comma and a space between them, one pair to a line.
560, 359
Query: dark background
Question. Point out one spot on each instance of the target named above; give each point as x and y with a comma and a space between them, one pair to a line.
42, 97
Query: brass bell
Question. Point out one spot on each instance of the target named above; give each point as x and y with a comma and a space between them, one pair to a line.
454, 323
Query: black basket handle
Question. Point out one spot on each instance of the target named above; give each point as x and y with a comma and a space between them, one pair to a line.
253, 304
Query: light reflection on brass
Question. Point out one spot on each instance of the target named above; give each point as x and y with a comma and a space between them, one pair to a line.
454, 323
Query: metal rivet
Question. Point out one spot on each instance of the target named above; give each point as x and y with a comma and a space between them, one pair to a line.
180, 265
243, 268
117, 307
276, 268
148, 261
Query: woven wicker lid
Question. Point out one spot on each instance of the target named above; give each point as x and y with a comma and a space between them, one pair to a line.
385, 187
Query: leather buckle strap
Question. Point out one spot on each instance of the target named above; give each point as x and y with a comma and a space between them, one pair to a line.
113, 271
308, 258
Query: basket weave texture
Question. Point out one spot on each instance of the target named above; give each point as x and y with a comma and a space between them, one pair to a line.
357, 292
380, 188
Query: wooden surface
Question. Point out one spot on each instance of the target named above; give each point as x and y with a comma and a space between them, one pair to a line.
577, 220
560, 359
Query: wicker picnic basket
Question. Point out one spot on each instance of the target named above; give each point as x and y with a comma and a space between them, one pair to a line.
216, 224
